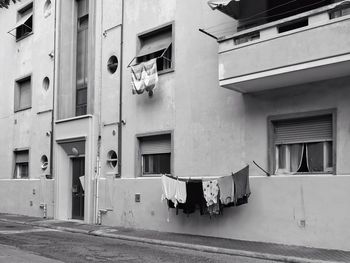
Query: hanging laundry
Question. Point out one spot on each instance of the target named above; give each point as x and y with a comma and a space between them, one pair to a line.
181, 192
227, 189
195, 198
144, 77
242, 187
211, 195
169, 189
210, 191
173, 190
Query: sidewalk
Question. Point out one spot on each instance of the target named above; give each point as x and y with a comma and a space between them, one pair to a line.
269, 251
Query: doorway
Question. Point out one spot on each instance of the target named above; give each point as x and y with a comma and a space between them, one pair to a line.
78, 170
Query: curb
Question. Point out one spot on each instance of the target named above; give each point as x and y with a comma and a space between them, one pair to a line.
174, 244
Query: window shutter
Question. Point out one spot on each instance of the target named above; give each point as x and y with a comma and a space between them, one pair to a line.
25, 94
22, 157
155, 144
310, 129
155, 43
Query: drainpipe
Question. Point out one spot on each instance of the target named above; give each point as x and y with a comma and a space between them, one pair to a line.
121, 122
98, 158
53, 91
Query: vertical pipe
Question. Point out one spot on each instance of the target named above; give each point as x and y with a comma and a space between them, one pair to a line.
98, 158
53, 91
120, 124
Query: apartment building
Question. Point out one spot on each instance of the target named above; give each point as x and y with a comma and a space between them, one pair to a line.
263, 82
26, 83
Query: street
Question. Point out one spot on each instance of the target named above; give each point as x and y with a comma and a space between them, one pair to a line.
23, 243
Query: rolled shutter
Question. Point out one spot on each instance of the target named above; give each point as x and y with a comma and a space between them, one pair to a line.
310, 129
155, 144
22, 157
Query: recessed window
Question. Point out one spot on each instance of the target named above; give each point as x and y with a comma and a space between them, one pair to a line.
155, 153
47, 8
21, 169
112, 159
246, 38
112, 64
82, 57
23, 94
157, 44
303, 145
46, 83
343, 9
24, 26
44, 162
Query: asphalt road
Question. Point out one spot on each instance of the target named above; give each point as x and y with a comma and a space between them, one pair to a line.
22, 243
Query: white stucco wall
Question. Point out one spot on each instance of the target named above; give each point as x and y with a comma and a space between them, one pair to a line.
273, 214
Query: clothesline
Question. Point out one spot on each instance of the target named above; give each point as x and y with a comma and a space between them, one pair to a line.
195, 178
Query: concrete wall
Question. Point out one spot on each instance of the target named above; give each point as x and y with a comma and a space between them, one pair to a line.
275, 213
321, 39
25, 196
309, 97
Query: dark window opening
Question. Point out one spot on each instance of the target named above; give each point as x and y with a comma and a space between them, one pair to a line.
253, 13
293, 25
23, 94
246, 38
82, 58
25, 22
304, 145
21, 169
157, 44
81, 101
155, 154
156, 163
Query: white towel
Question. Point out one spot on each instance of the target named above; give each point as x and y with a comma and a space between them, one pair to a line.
144, 76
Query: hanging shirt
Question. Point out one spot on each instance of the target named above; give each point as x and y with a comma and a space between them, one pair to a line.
210, 191
227, 189
241, 181
180, 192
169, 189
173, 190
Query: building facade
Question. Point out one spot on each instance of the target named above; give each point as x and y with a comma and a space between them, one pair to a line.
270, 85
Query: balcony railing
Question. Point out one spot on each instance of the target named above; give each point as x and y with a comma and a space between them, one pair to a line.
307, 47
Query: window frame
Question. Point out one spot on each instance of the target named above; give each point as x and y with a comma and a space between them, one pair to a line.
17, 93
80, 26
139, 158
19, 16
154, 31
272, 153
15, 175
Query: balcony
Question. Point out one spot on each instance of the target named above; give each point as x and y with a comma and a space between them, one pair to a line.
303, 48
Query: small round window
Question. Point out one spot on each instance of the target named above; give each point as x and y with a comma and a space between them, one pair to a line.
44, 162
112, 64
112, 159
46, 83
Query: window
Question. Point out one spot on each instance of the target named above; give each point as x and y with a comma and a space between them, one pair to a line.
246, 38
155, 153
21, 169
24, 26
112, 159
23, 94
343, 9
303, 145
157, 44
112, 64
82, 57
